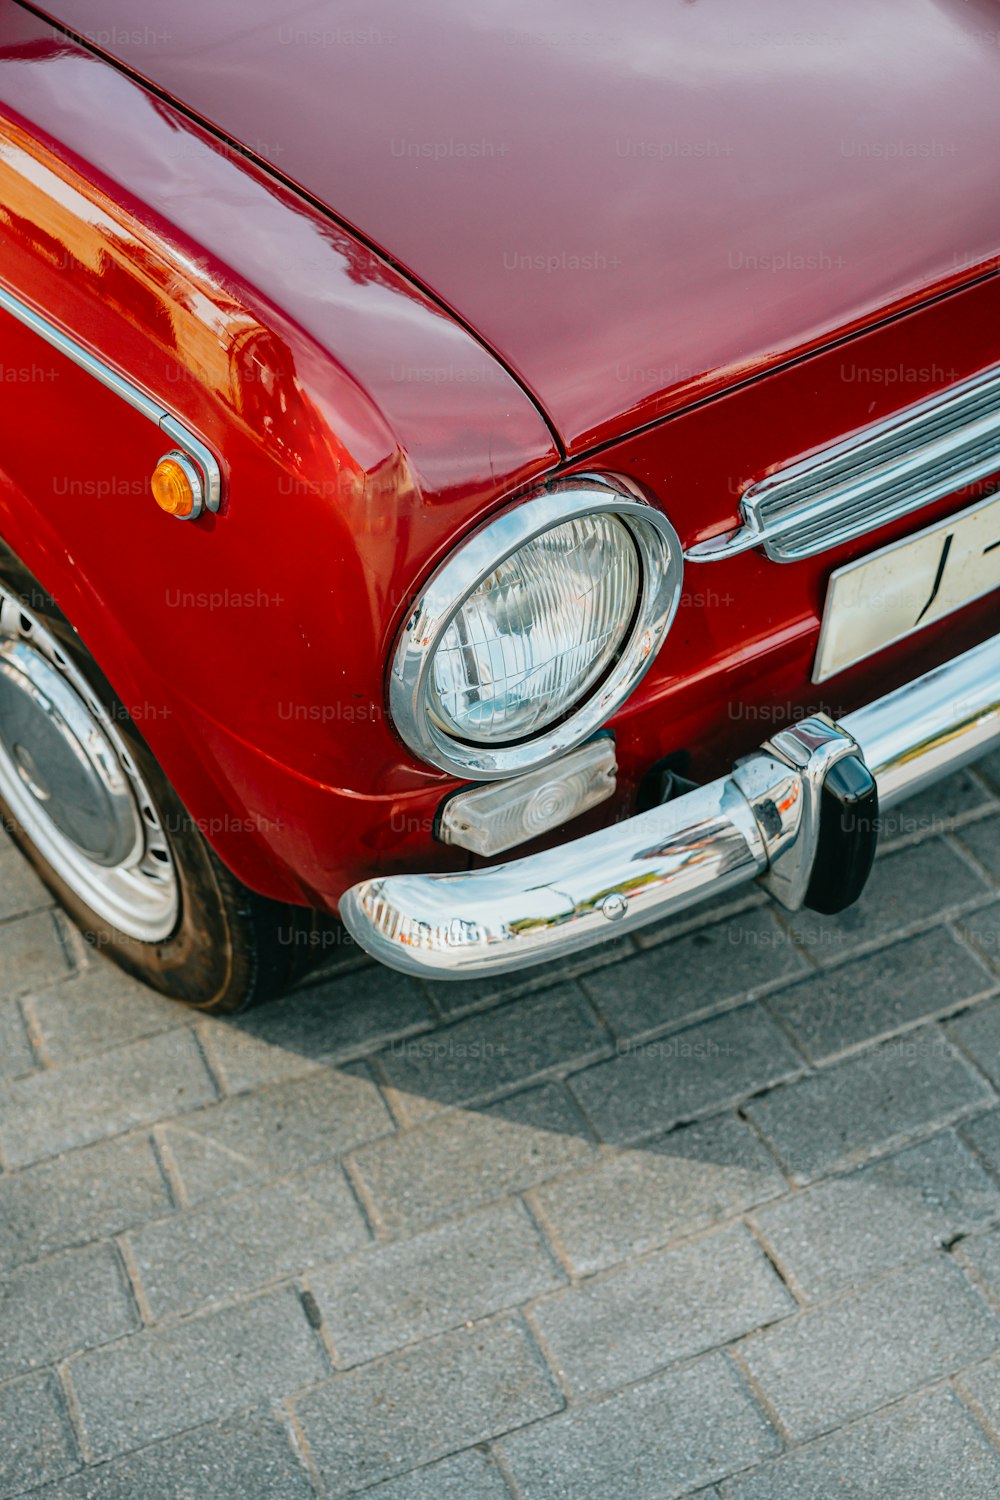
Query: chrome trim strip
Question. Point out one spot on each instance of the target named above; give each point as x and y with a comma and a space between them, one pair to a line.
474, 559
928, 450
202, 456
126, 389
662, 862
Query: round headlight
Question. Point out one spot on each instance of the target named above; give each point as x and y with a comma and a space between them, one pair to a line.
535, 629
536, 634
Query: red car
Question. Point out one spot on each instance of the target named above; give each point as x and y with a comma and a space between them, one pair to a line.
565, 436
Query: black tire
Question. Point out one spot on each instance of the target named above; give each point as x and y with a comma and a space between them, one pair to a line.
230, 948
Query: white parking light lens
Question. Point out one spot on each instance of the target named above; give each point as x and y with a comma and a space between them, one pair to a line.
490, 819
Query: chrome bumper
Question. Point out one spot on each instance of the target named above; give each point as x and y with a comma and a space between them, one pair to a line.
759, 822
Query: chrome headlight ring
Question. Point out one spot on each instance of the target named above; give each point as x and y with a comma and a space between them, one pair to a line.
446, 593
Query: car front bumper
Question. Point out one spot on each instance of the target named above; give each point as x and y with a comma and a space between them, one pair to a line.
760, 822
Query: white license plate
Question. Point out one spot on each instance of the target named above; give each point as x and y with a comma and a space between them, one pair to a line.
893, 593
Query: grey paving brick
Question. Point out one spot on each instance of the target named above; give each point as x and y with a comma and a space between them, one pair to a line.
53, 1307
634, 1200
234, 1244
98, 1009
486, 1053
36, 1441
164, 1380
875, 996
20, 888
978, 1032
705, 971
245, 1062
988, 767
982, 1253
620, 1327
456, 997
246, 1458
278, 1129
706, 913
17, 1056
869, 1102
354, 1013
86, 1195
656, 1441
983, 840
980, 1385
653, 1085
340, 954
927, 1446
438, 1396
457, 1273
33, 954
467, 1476
465, 1158
983, 1135
847, 1230
937, 809
908, 886
107, 1095
845, 1358
982, 925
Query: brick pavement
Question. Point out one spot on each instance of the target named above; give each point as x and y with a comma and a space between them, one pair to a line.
715, 1212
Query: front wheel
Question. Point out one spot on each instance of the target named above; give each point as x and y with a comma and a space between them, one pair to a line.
84, 798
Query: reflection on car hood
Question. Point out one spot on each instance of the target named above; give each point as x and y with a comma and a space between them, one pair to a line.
633, 205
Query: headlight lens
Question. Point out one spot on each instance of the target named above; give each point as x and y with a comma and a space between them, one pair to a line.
537, 633
535, 629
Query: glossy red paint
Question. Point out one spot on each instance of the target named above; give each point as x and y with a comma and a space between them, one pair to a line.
634, 204
251, 645
365, 430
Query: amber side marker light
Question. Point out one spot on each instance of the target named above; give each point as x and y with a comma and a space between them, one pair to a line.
177, 487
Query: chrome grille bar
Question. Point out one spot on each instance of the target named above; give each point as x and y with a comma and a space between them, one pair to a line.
890, 469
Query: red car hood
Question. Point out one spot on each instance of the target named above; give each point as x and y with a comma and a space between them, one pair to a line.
632, 204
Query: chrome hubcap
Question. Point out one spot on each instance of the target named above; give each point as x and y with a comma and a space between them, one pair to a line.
69, 780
